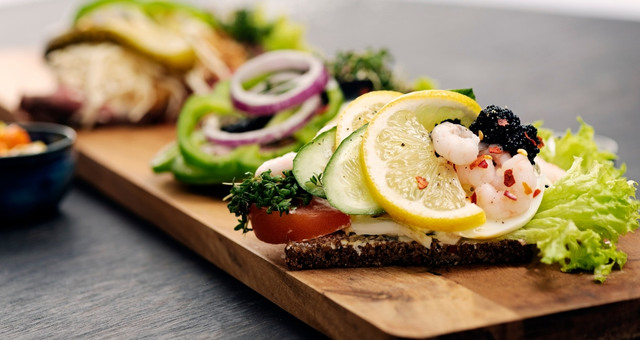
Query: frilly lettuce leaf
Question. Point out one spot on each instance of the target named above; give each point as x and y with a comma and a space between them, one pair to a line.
581, 218
584, 213
561, 151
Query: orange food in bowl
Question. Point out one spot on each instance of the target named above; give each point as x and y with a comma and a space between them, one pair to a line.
12, 135
15, 140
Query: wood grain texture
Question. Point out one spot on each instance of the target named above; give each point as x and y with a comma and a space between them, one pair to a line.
500, 301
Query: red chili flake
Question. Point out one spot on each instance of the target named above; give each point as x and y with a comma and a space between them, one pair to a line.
503, 122
481, 162
527, 188
509, 180
530, 139
510, 195
474, 198
536, 193
473, 164
495, 149
540, 142
422, 182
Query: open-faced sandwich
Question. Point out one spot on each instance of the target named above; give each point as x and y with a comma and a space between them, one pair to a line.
430, 178
136, 61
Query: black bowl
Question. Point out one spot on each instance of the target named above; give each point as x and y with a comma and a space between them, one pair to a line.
33, 185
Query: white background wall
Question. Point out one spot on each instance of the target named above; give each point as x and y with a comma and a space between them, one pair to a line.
618, 9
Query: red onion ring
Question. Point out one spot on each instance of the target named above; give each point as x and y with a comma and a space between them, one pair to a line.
310, 83
212, 131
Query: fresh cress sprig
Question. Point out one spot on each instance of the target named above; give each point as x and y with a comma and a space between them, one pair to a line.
276, 193
316, 180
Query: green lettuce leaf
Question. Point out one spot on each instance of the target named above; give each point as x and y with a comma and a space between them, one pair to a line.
561, 151
582, 216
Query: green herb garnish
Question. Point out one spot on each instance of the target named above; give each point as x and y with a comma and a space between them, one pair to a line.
372, 70
370, 65
315, 181
279, 193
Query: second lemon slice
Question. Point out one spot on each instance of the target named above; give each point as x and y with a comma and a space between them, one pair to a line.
402, 171
360, 111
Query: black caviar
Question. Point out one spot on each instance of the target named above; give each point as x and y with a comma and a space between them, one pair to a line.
496, 125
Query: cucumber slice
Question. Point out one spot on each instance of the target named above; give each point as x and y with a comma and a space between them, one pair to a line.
162, 160
311, 160
343, 179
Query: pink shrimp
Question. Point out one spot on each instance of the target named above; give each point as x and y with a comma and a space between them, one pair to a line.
511, 191
496, 152
500, 204
501, 191
455, 143
480, 171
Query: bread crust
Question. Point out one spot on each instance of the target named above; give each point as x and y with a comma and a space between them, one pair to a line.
339, 250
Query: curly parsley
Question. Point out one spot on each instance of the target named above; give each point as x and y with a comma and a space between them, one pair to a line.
279, 193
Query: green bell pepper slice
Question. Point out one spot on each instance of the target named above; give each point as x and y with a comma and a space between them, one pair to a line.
190, 163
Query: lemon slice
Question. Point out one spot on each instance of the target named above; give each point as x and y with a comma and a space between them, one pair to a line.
403, 173
360, 110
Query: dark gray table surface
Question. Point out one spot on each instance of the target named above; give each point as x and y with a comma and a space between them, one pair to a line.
96, 271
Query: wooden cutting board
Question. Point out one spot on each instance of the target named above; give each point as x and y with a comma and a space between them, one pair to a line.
529, 301
533, 301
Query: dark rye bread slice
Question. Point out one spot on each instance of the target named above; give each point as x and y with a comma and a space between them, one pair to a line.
339, 250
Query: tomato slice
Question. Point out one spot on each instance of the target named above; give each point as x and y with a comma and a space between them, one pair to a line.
303, 223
